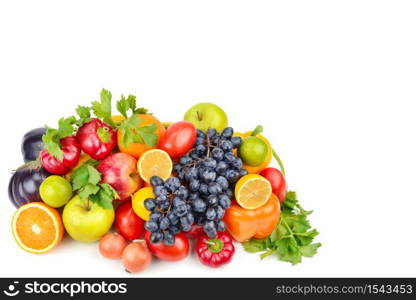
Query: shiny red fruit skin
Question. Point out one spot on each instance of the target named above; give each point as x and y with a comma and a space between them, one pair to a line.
71, 150
179, 139
176, 252
278, 182
91, 143
128, 224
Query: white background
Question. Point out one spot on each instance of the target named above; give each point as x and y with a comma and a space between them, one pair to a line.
332, 82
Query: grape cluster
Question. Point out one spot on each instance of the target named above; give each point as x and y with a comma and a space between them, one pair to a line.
210, 170
171, 211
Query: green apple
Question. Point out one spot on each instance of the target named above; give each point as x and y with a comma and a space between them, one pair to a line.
253, 151
207, 115
86, 221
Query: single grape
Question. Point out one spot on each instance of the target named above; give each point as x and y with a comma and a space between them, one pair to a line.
180, 210
150, 204
156, 237
174, 229
164, 206
212, 132
164, 223
220, 212
237, 163
214, 188
200, 141
173, 219
226, 145
221, 167
212, 200
210, 163
155, 215
168, 238
194, 185
221, 226
159, 190
236, 141
210, 214
182, 192
156, 181
217, 153
151, 226
223, 182
200, 133
203, 189
184, 160
229, 157
243, 172
227, 132
224, 201
199, 205
232, 175
177, 201
201, 149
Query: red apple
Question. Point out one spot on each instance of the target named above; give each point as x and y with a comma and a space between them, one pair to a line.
120, 171
278, 182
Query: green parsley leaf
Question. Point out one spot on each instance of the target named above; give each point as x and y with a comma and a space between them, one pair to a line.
105, 196
292, 238
52, 137
84, 115
126, 104
86, 181
148, 134
102, 109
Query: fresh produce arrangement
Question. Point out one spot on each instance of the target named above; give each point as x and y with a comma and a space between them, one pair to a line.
145, 189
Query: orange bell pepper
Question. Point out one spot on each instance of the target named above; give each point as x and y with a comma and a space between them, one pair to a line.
259, 223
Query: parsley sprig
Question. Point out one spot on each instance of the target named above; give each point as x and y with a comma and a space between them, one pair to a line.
86, 181
292, 238
51, 139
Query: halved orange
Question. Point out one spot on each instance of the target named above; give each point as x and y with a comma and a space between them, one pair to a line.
252, 191
37, 228
154, 162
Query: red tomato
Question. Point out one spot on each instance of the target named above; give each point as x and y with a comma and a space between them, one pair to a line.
179, 139
128, 224
176, 252
278, 182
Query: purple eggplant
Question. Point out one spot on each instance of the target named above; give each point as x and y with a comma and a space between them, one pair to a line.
25, 182
32, 144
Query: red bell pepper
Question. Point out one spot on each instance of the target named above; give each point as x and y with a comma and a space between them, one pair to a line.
97, 139
71, 152
215, 252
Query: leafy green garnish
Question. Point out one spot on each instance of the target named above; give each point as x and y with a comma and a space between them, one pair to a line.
102, 108
51, 139
86, 181
84, 115
292, 238
132, 134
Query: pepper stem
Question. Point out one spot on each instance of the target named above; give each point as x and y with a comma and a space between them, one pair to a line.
215, 245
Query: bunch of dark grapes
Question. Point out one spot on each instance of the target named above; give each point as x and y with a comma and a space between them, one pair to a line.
211, 170
171, 211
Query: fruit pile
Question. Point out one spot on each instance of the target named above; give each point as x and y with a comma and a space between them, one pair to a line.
144, 188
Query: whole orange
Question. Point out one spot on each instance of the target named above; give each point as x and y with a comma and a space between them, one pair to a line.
137, 149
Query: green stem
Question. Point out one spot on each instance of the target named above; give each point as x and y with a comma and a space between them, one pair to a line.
257, 130
279, 161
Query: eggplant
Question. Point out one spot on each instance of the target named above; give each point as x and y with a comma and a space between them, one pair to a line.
25, 182
32, 144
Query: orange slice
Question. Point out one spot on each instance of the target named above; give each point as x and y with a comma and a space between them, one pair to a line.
37, 228
154, 162
252, 191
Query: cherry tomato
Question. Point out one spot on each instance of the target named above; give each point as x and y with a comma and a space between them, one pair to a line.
128, 224
136, 257
179, 139
278, 182
176, 252
112, 245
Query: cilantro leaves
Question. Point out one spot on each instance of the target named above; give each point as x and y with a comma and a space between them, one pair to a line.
86, 180
292, 238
